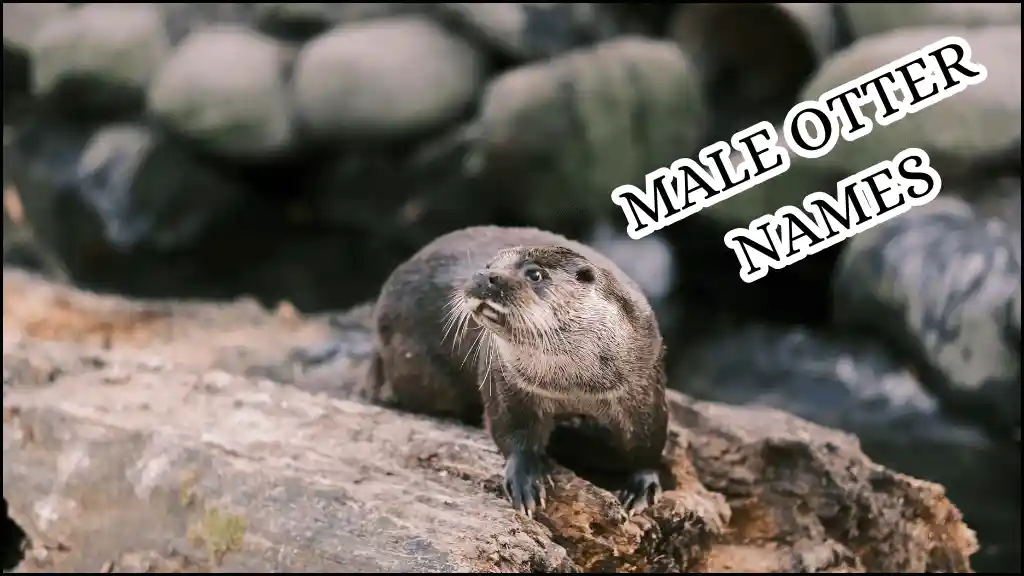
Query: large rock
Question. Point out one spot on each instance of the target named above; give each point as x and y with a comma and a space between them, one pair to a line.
138, 442
555, 137
980, 121
938, 283
754, 57
961, 134
99, 58
22, 20
385, 79
126, 188
126, 208
224, 88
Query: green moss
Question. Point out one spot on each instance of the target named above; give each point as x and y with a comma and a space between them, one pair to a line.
219, 532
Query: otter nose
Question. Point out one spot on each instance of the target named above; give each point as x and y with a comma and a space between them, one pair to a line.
486, 279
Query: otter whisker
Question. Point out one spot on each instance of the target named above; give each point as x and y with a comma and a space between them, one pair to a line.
482, 341
488, 374
476, 342
464, 327
454, 316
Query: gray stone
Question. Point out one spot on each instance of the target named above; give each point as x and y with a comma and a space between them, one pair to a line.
103, 54
982, 120
873, 18
960, 134
22, 20
556, 137
938, 283
385, 79
224, 88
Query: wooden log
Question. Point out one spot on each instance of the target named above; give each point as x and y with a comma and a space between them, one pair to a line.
173, 437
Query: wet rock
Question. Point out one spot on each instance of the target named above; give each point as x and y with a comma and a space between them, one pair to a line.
224, 88
997, 198
99, 58
529, 31
597, 120
848, 384
938, 283
755, 58
193, 468
301, 21
346, 86
868, 19
22, 20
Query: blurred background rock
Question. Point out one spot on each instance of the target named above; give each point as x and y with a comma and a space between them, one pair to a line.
299, 152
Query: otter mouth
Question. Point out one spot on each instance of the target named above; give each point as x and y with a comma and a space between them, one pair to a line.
488, 311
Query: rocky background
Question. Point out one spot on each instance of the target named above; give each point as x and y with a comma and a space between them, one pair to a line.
297, 152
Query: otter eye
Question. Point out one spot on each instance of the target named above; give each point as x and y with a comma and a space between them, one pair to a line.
585, 275
533, 274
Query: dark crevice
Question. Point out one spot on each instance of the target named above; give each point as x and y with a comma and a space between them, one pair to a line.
12, 544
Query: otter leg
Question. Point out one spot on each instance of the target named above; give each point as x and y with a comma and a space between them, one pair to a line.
643, 489
521, 433
643, 453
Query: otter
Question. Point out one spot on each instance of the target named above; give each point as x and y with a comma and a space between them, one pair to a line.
528, 330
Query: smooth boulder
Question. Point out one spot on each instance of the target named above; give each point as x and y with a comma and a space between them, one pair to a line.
99, 58
224, 88
554, 138
22, 20
384, 79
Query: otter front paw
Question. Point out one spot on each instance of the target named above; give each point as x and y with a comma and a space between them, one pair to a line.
526, 478
642, 490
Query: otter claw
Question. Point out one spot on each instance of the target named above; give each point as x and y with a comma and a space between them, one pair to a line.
643, 489
526, 478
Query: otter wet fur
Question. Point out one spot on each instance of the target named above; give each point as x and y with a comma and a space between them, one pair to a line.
530, 329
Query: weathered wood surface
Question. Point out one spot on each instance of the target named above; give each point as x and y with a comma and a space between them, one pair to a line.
220, 437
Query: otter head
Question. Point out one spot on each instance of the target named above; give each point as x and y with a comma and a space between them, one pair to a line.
546, 302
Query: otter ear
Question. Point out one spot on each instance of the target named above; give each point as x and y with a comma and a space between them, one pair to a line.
585, 275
